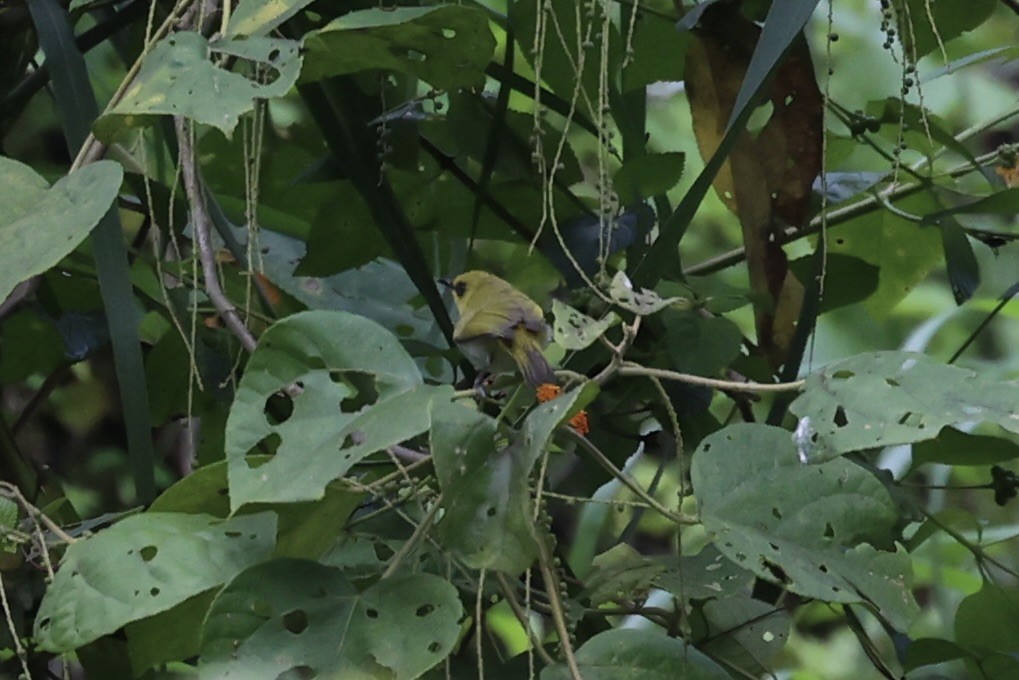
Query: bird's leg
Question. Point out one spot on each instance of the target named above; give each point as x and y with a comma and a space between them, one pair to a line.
482, 383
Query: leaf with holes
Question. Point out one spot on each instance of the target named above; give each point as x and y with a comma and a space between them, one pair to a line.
642, 301
447, 47
144, 565
706, 575
181, 76
647, 654
359, 392
811, 528
40, 224
573, 329
886, 398
486, 495
745, 632
258, 17
298, 618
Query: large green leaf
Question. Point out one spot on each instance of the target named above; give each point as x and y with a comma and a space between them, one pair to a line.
447, 46
487, 520
40, 224
632, 654
144, 565
359, 392
305, 618
484, 479
182, 77
886, 398
812, 528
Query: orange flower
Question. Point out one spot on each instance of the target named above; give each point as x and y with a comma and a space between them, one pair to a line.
548, 392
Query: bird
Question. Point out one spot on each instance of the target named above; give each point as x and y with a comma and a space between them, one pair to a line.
500, 329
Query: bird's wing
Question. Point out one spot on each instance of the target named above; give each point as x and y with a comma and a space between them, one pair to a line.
486, 323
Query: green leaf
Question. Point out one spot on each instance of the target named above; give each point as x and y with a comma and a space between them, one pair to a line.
631, 654
951, 19
706, 575
39, 224
299, 617
745, 632
985, 623
904, 251
141, 566
647, 176
887, 398
447, 46
812, 528
258, 17
931, 651
484, 479
171, 635
700, 345
360, 392
620, 573
1005, 202
847, 280
639, 301
179, 75
953, 447
380, 290
659, 51
573, 329
485, 493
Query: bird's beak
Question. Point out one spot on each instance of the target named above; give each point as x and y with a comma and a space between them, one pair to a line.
446, 282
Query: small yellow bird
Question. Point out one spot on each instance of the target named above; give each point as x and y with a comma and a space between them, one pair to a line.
500, 327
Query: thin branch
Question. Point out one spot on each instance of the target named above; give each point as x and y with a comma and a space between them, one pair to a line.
630, 368
201, 223
518, 611
835, 217
558, 617
412, 543
628, 481
10, 491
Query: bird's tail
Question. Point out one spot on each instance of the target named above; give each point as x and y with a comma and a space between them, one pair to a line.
535, 367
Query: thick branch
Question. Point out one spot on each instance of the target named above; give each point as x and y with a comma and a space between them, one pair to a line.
201, 223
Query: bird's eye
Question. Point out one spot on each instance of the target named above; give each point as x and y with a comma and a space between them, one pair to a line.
459, 288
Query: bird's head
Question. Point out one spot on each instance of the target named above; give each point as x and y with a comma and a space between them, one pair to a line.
470, 285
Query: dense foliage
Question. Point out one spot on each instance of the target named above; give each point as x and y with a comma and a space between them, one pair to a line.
776, 240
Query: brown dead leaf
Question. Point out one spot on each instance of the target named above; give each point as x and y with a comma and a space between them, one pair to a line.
766, 182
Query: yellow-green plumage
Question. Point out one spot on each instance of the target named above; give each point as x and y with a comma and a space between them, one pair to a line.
500, 328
